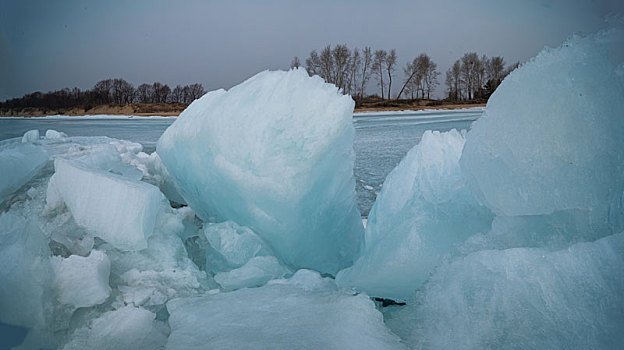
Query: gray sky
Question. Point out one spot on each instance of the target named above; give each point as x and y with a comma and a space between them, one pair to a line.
49, 45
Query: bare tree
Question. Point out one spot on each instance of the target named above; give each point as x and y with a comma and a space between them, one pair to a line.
410, 70
468, 65
453, 81
122, 92
431, 77
390, 66
341, 57
495, 69
327, 64
295, 62
379, 62
354, 67
102, 91
194, 92
177, 94
367, 59
161, 92
145, 93
313, 64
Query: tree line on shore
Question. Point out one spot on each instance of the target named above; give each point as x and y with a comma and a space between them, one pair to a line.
470, 77
108, 91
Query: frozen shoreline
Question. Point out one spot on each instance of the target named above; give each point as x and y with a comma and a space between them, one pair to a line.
138, 117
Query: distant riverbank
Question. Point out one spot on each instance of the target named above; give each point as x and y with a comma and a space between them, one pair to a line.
174, 109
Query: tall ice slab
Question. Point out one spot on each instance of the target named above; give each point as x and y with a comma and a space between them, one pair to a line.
275, 154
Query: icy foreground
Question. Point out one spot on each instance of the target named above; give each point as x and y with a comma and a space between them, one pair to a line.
94, 257
275, 154
306, 310
567, 299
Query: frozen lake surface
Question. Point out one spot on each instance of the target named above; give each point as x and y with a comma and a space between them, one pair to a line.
382, 138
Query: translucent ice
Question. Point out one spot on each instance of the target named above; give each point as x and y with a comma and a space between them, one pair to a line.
82, 281
18, 164
423, 210
525, 297
25, 272
256, 272
304, 312
274, 154
235, 244
120, 211
551, 135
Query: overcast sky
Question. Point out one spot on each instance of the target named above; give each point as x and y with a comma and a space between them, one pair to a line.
49, 45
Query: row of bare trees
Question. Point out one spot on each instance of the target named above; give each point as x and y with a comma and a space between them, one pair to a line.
474, 77
108, 91
351, 70
470, 77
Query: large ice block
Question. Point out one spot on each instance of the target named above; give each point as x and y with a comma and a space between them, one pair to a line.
551, 135
423, 210
304, 312
526, 298
275, 154
118, 210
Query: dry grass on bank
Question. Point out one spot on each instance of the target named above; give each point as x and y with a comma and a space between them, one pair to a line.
369, 104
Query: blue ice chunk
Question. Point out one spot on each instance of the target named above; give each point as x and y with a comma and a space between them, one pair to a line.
275, 154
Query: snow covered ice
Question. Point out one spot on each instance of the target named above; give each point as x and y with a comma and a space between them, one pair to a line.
275, 154
82, 281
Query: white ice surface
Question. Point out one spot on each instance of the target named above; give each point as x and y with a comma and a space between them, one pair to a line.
82, 281
120, 211
526, 297
125, 328
303, 312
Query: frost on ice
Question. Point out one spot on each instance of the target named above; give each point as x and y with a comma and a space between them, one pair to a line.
423, 210
274, 154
